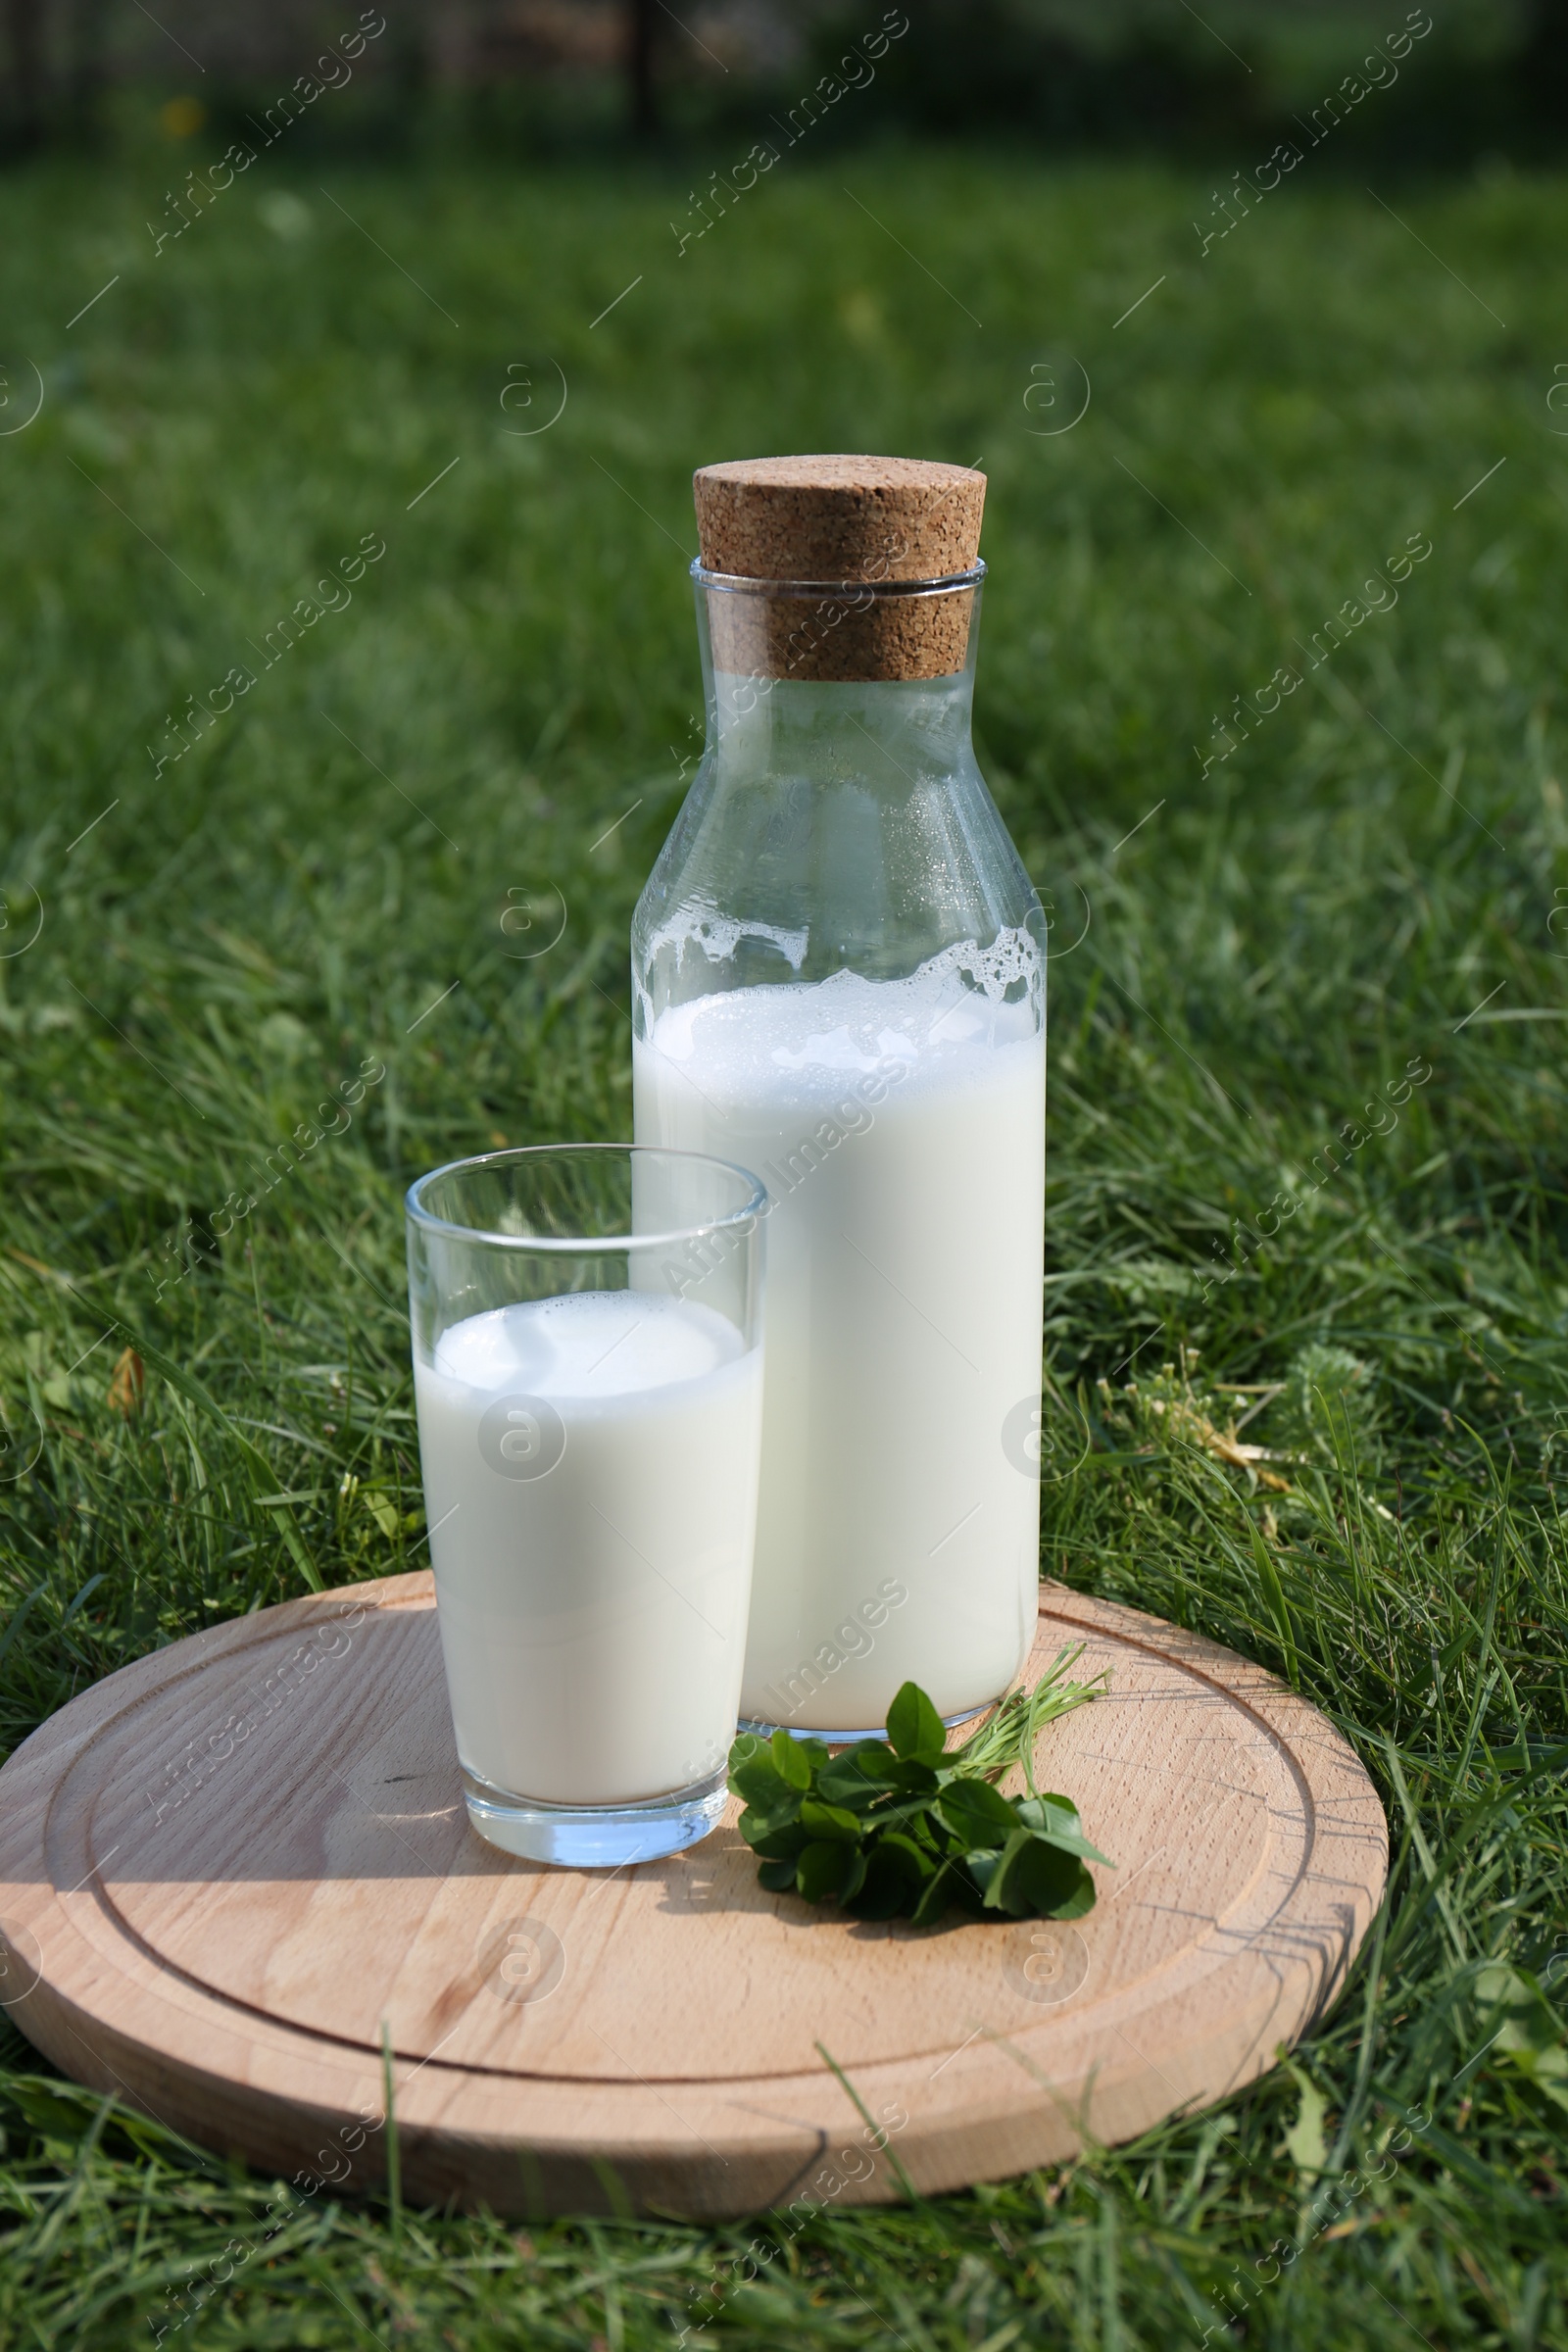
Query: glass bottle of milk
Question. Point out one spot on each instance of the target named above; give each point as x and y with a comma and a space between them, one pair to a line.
838, 970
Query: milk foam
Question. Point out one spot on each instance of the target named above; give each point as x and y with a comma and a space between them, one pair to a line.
588, 1344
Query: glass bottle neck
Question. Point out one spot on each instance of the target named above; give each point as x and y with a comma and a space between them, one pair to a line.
858, 731
817, 682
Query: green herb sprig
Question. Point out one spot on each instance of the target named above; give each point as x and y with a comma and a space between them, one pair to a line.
908, 1831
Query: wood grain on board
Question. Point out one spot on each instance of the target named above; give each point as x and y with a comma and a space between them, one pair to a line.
225, 1868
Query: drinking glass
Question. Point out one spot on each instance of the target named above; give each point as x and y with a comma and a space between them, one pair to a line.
588, 1376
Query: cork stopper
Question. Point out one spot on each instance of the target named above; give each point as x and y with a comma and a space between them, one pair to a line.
837, 521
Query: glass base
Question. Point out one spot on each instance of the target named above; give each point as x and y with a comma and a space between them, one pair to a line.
766, 1731
595, 1836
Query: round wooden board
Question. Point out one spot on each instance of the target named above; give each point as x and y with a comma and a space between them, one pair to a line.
226, 1867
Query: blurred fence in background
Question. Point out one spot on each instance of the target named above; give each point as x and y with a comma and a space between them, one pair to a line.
535, 76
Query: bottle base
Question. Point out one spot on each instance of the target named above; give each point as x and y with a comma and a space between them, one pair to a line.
595, 1836
878, 1732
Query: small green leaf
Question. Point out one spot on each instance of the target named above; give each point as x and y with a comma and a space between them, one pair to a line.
913, 1858
779, 1808
791, 1761
948, 1841
1036, 1879
828, 1871
842, 1783
919, 1820
759, 1785
939, 1892
1050, 1814
777, 1877
1080, 1902
1304, 2143
1055, 1820
978, 1813
963, 1889
997, 1876
982, 1867
892, 1885
381, 1510
775, 1842
830, 1822
915, 1728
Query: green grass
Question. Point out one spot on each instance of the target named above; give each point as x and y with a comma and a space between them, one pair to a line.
1289, 932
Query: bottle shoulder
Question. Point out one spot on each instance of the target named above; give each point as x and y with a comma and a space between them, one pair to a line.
799, 874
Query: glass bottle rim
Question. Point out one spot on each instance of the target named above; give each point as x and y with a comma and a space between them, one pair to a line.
732, 583
740, 1220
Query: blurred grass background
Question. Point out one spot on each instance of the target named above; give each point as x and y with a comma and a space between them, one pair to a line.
340, 352
523, 78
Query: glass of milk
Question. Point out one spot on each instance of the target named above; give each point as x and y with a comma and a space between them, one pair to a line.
588, 1374
839, 970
